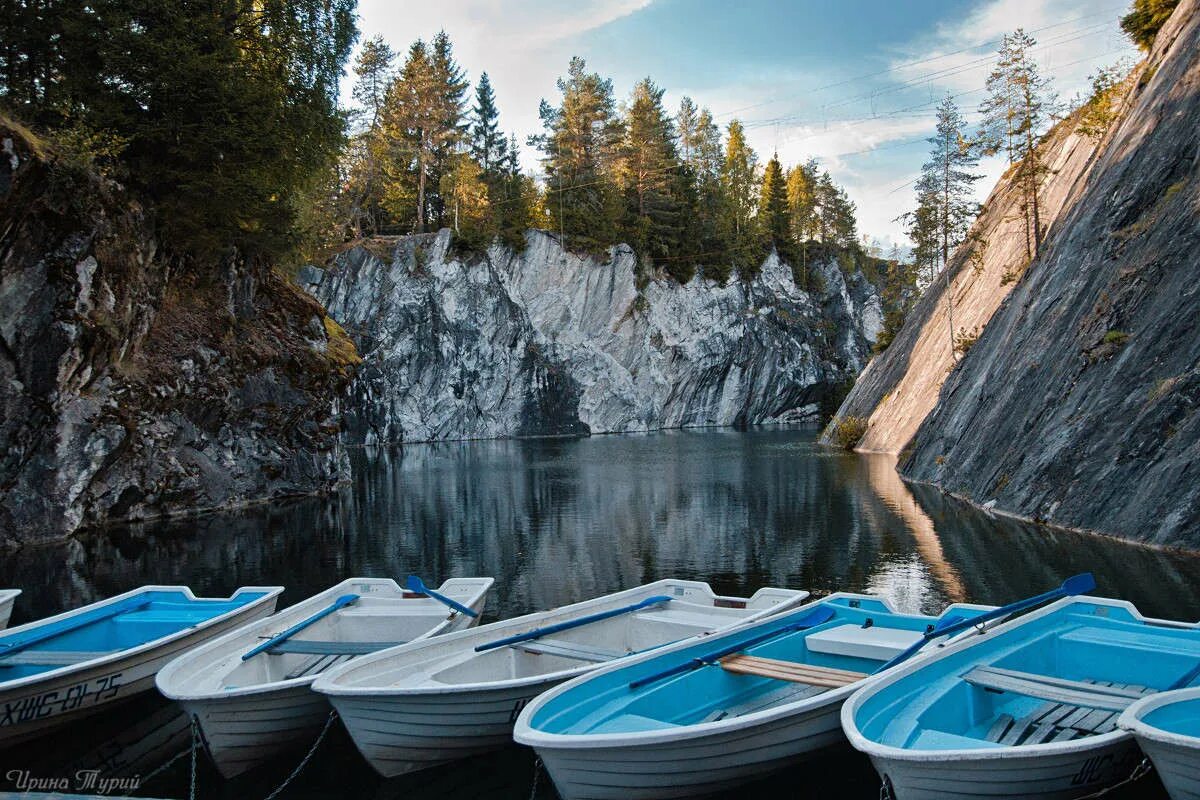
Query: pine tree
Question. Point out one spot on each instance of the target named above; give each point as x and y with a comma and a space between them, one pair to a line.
488, 144
801, 181
362, 194
739, 183
580, 147
1015, 115
945, 204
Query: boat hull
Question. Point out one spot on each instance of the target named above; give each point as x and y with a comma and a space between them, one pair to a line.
245, 731
33, 710
1177, 765
1050, 775
399, 734
693, 766
6, 605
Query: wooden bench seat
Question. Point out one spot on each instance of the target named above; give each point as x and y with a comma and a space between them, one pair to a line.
790, 671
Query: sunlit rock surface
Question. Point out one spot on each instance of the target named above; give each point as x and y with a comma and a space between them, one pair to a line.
550, 342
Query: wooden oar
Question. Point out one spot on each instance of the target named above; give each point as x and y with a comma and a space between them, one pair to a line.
337, 605
575, 623
1077, 584
812, 619
69, 625
415, 584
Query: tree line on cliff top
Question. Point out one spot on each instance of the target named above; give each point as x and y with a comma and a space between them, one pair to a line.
428, 153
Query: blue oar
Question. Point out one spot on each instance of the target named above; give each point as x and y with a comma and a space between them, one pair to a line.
812, 619
1078, 584
574, 623
415, 584
337, 605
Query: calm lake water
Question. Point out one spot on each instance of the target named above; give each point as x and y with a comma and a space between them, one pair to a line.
557, 521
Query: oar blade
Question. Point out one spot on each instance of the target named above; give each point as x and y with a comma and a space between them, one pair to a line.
414, 584
1082, 583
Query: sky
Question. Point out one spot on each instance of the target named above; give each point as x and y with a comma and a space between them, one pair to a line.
850, 83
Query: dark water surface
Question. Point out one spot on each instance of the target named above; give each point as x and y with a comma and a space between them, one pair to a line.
557, 521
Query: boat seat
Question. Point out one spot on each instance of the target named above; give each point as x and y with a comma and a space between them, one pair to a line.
49, 658
1057, 722
310, 647
790, 671
579, 652
877, 643
316, 666
1058, 690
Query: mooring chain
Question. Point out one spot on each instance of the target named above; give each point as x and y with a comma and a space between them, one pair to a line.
537, 773
307, 757
195, 754
1143, 768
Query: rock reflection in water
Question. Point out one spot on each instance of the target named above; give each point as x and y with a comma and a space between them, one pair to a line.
556, 521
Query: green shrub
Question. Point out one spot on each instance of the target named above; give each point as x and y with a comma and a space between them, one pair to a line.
847, 432
1116, 337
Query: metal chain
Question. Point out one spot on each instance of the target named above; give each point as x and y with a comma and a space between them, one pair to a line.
1143, 768
537, 772
885, 790
195, 753
307, 757
170, 762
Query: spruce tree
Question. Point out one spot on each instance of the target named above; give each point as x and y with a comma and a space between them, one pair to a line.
773, 210
649, 169
488, 143
373, 72
449, 86
739, 184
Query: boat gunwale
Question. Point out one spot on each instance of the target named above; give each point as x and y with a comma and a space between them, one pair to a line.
879, 750
327, 684
1131, 719
270, 687
525, 734
269, 593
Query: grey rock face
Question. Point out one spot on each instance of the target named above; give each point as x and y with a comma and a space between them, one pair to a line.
127, 392
1078, 403
549, 342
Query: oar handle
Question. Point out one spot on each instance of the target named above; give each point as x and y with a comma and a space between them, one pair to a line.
415, 584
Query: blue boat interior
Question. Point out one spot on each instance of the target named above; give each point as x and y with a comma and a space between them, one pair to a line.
1182, 717
108, 628
1064, 676
855, 638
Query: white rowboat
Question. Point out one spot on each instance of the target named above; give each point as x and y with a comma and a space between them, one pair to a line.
249, 690
7, 596
429, 703
81, 661
1167, 728
703, 716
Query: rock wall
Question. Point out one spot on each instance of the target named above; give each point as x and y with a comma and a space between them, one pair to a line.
1077, 405
550, 342
900, 387
134, 387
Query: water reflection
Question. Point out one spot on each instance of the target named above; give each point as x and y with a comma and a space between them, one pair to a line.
556, 521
